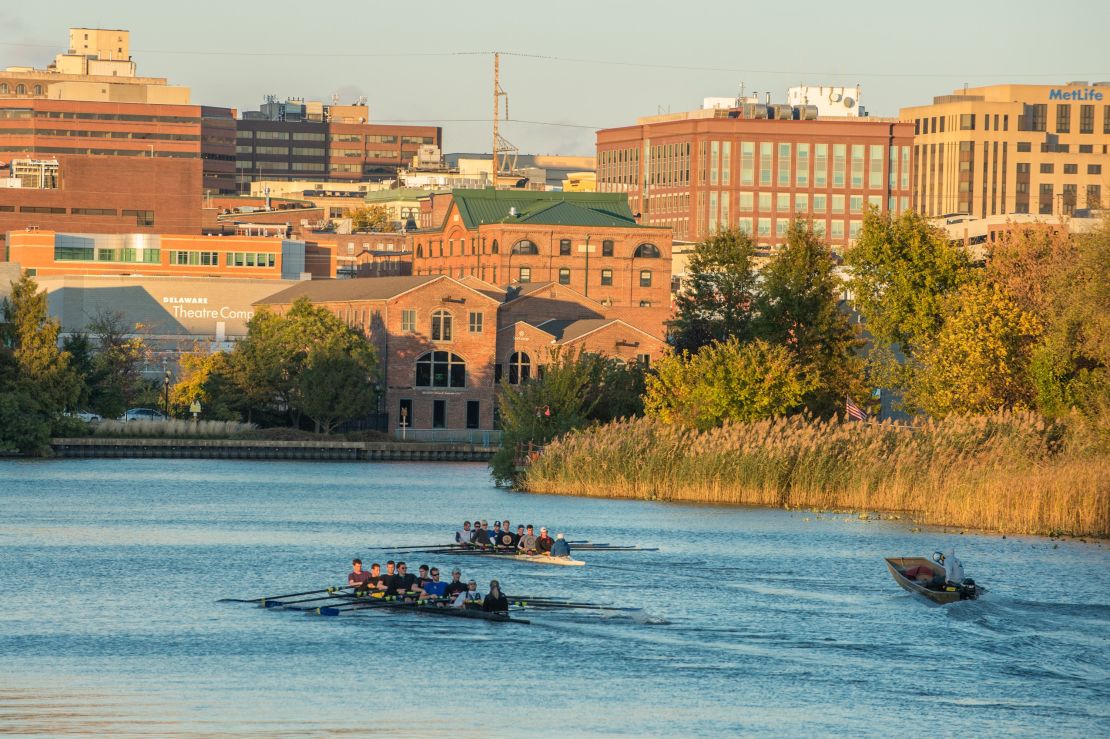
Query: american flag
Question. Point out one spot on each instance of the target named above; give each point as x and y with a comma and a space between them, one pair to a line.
853, 410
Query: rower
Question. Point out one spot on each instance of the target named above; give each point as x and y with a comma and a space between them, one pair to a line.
527, 543
434, 587
507, 530
404, 584
456, 585
495, 535
544, 542
560, 548
386, 580
469, 596
422, 576
481, 535
464, 535
375, 584
357, 579
518, 536
495, 602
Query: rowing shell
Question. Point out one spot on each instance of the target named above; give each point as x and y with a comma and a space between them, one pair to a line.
435, 610
540, 559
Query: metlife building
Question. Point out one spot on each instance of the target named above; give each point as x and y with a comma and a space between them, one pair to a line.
1001, 150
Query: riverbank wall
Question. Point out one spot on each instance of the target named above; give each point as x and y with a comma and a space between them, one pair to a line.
353, 451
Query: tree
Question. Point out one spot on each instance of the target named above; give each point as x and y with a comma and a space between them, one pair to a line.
715, 302
336, 386
726, 381
116, 378
797, 306
979, 360
42, 369
575, 389
205, 378
902, 269
372, 218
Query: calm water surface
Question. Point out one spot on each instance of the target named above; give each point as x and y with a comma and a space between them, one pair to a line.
754, 621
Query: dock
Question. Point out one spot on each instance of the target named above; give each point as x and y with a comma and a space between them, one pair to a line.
351, 451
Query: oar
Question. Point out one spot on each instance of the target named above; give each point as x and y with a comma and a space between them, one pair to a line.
398, 603
409, 546
283, 603
275, 597
585, 606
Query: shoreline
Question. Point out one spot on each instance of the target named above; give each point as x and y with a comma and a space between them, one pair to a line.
335, 451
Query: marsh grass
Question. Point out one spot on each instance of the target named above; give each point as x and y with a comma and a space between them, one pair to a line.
172, 428
1010, 471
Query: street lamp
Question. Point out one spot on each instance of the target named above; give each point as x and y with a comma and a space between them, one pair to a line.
166, 393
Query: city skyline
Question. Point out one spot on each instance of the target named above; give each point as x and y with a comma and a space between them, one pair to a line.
445, 64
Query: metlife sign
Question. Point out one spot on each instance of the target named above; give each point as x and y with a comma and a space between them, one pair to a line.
1086, 93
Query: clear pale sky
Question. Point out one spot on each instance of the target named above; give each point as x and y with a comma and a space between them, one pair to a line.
401, 55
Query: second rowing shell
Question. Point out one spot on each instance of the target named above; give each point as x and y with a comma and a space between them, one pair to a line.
540, 559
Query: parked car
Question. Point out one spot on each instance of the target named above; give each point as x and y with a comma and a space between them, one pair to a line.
86, 416
142, 414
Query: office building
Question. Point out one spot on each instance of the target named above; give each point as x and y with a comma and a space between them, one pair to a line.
757, 167
1004, 149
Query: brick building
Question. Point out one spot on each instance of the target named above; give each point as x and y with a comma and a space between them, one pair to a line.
588, 242
336, 145
756, 167
445, 343
47, 253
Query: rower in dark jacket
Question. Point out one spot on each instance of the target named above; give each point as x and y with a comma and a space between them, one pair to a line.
560, 548
495, 601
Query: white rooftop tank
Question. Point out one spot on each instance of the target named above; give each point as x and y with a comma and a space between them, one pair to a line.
830, 101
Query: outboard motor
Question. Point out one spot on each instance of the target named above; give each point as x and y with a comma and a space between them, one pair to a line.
968, 589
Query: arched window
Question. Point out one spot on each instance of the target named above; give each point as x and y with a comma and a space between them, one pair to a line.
21, 89
38, 89
524, 246
441, 326
3, 88
440, 369
419, 251
494, 248
647, 251
520, 368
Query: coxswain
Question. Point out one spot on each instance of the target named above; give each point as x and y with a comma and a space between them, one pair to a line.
358, 578
468, 597
464, 535
560, 548
495, 602
527, 543
456, 585
544, 542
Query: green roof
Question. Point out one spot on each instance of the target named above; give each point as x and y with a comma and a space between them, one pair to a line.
602, 209
400, 193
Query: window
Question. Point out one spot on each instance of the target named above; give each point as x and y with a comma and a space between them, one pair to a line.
764, 225
440, 369
647, 251
837, 230
645, 303
781, 225
1063, 118
564, 247
745, 225
645, 278
820, 165
525, 274
747, 163
606, 277
875, 177
765, 202
441, 326
801, 176
801, 203
782, 202
473, 414
765, 151
819, 203
967, 121
857, 165
520, 368
1086, 119
1071, 169
476, 321
839, 154
1094, 169
494, 247
564, 276
837, 203
1024, 146
21, 89
1047, 168
784, 165
524, 246
747, 202
607, 248
439, 414
644, 360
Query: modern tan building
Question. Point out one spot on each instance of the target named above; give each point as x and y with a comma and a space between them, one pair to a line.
1001, 149
96, 67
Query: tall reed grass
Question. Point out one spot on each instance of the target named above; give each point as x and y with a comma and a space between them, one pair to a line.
1009, 472
173, 428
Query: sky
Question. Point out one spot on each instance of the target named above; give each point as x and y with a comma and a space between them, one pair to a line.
573, 66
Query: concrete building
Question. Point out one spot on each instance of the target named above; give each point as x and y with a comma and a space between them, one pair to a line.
446, 343
46, 253
757, 167
338, 145
97, 66
588, 242
1002, 149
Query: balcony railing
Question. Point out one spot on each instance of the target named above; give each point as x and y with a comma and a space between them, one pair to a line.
481, 437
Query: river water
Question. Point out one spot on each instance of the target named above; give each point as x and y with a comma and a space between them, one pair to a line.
754, 621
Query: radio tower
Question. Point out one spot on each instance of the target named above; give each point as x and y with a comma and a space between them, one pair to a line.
504, 153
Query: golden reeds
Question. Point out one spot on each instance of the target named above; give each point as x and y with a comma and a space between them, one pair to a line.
173, 428
1009, 471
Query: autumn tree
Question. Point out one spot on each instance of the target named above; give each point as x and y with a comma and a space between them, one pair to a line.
715, 302
205, 378
727, 381
372, 218
979, 359
797, 306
